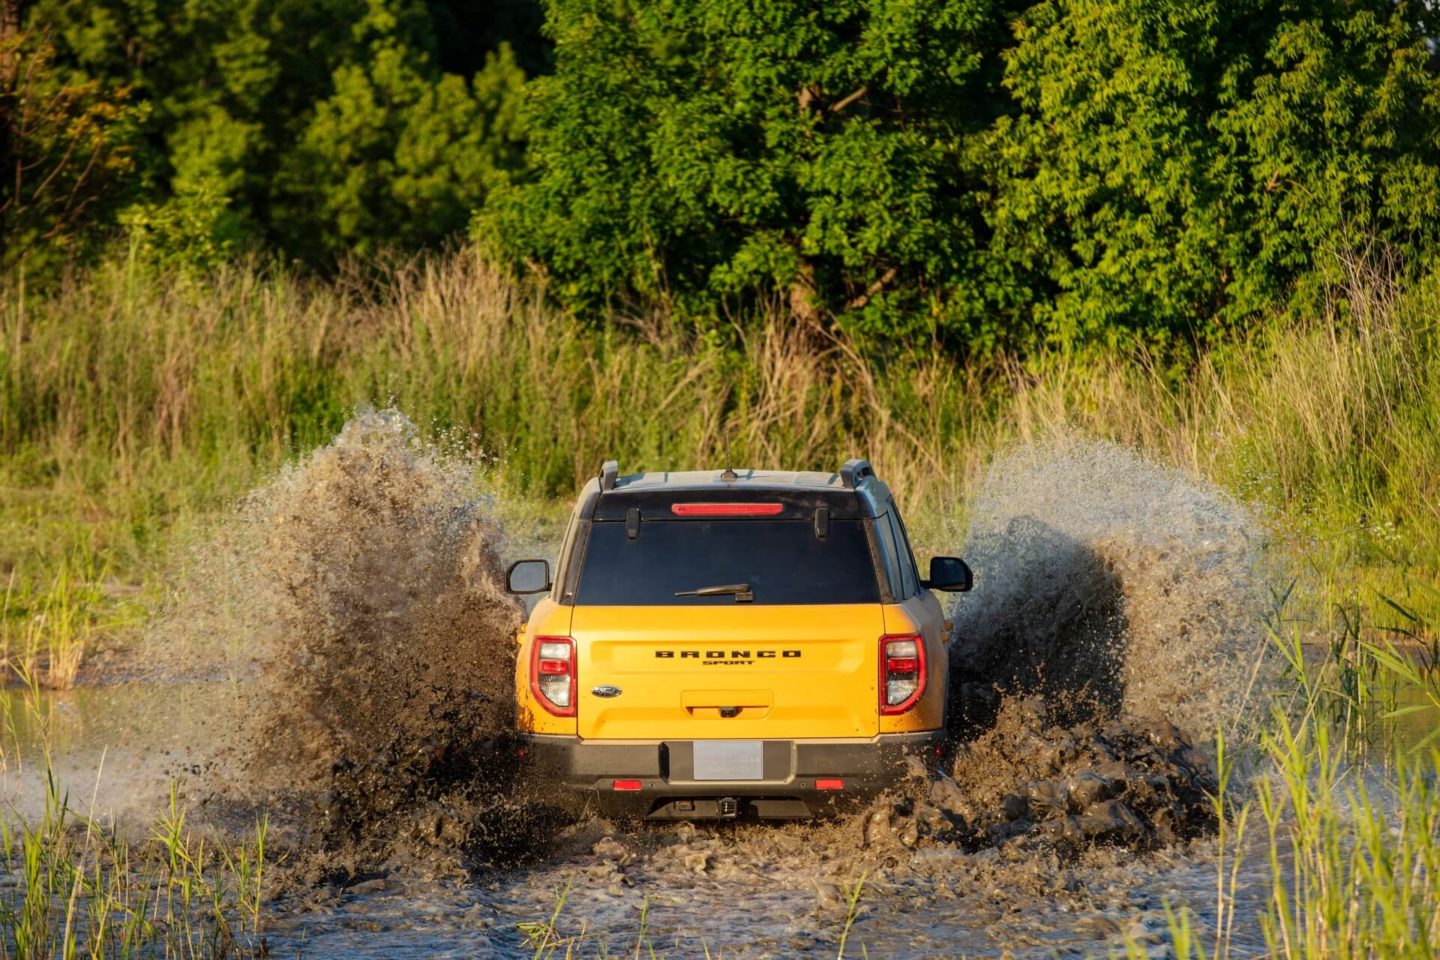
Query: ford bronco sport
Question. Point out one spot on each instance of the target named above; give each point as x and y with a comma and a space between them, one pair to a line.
736, 643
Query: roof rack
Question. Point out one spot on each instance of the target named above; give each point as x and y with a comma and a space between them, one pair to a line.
609, 470
854, 472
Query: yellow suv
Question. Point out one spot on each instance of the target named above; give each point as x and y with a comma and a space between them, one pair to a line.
734, 643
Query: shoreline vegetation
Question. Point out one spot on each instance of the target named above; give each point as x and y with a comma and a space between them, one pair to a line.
135, 403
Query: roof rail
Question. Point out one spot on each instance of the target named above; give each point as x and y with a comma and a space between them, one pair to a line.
609, 470
855, 471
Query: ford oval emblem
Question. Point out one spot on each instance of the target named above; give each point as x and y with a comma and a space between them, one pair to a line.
606, 692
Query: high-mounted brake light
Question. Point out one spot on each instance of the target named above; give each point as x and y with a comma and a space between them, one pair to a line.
552, 674
902, 673
726, 509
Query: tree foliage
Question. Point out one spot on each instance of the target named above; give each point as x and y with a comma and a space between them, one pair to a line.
703, 150
1173, 162
992, 174
320, 127
66, 150
1070, 170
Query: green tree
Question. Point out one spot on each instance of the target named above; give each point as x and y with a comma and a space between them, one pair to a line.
399, 155
250, 106
66, 149
1173, 163
1066, 171
717, 149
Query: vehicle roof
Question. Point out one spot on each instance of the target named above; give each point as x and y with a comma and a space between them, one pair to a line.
700, 479
804, 489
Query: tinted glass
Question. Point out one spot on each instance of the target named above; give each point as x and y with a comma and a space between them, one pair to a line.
782, 561
909, 573
890, 551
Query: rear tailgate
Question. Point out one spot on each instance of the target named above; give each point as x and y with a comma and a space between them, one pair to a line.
701, 673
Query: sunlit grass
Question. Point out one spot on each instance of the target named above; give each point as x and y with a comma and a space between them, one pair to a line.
76, 888
1347, 808
134, 404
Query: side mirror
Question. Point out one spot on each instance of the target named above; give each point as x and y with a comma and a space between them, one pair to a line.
950, 573
528, 576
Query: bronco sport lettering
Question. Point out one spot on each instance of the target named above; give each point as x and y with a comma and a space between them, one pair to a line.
735, 654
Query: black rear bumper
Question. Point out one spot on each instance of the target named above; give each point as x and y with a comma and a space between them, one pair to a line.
587, 772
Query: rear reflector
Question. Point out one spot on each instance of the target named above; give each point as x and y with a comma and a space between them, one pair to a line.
836, 784
726, 509
625, 784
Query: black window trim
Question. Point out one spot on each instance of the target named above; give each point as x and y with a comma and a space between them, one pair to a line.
576, 564
877, 561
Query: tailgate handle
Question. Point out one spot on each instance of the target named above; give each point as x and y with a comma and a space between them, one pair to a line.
730, 712
726, 699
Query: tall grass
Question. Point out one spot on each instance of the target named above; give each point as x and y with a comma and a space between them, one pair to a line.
1347, 849
132, 403
77, 889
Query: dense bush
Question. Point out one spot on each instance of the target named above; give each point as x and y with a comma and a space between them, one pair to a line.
711, 149
315, 127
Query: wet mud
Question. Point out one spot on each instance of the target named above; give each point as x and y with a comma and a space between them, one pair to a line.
1032, 784
1109, 584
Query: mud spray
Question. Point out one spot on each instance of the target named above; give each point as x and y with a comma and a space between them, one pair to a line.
362, 591
1113, 628
1115, 625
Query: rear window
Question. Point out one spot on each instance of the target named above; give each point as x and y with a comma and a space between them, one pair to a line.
782, 561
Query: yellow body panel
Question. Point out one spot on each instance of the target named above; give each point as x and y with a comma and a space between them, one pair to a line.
780, 671
784, 671
922, 614
548, 619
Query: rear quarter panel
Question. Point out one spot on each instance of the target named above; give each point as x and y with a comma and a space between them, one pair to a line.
548, 619
922, 614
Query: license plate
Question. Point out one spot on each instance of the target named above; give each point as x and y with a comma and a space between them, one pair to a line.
729, 760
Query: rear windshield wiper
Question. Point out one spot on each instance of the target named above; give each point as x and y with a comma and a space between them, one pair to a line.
741, 592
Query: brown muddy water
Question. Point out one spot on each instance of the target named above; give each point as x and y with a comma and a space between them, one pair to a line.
339, 656
742, 890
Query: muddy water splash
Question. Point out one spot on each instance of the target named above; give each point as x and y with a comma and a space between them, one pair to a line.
1114, 627
1111, 584
360, 589
365, 579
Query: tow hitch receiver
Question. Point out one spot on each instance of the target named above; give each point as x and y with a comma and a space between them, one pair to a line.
727, 808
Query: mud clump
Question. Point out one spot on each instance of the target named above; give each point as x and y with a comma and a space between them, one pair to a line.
367, 582
1128, 781
1114, 627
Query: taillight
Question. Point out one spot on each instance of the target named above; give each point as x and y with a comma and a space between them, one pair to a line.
902, 673
552, 674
